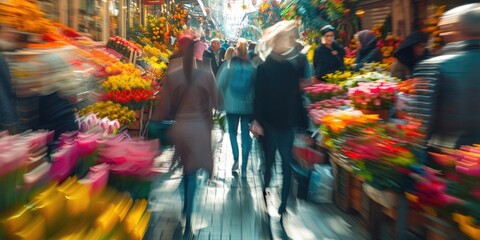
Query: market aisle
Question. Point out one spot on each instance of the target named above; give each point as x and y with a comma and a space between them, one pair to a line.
232, 208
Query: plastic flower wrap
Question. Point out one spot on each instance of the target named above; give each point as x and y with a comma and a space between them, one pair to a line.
379, 95
322, 91
110, 110
90, 121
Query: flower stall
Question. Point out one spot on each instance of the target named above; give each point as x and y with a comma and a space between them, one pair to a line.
378, 158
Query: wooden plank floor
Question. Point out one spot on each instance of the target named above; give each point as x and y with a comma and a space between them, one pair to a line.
230, 208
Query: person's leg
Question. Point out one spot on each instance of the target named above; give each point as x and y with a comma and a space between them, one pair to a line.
269, 156
285, 145
190, 185
246, 141
232, 120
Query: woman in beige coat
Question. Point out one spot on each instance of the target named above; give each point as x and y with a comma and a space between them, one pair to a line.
189, 95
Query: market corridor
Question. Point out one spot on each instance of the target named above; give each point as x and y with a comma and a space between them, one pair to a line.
232, 208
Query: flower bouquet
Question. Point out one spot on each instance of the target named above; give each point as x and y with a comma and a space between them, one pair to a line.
123, 46
109, 110
322, 91
320, 109
338, 77
341, 123
24, 167
384, 155
128, 89
131, 165
72, 210
368, 77
379, 95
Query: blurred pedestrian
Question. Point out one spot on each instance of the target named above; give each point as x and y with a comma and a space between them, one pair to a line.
449, 107
216, 55
189, 96
30, 105
230, 53
236, 84
367, 52
328, 56
278, 110
408, 54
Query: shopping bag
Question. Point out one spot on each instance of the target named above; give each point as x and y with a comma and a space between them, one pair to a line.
320, 187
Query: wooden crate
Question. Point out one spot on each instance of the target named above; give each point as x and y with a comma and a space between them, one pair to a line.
438, 228
356, 193
342, 184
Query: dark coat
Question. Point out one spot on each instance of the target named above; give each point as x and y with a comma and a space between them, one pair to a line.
278, 102
208, 54
190, 104
325, 62
368, 54
449, 107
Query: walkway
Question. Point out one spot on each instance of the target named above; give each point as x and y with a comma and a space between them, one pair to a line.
232, 208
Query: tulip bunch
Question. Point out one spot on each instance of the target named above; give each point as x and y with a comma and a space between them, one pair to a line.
384, 154
338, 77
322, 91
79, 209
155, 52
110, 110
125, 81
122, 68
379, 95
340, 121
131, 164
129, 96
122, 45
90, 122
24, 166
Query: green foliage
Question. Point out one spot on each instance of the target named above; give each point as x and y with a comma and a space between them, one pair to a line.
315, 14
269, 13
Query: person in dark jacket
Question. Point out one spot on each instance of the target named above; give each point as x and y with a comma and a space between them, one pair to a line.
277, 106
329, 55
408, 54
216, 54
368, 51
449, 107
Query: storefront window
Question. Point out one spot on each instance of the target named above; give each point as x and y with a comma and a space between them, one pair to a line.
90, 16
114, 16
50, 8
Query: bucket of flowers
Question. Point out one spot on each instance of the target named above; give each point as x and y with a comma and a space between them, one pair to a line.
384, 155
374, 97
322, 91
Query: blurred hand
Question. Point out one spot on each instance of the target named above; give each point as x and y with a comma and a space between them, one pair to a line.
334, 52
256, 129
